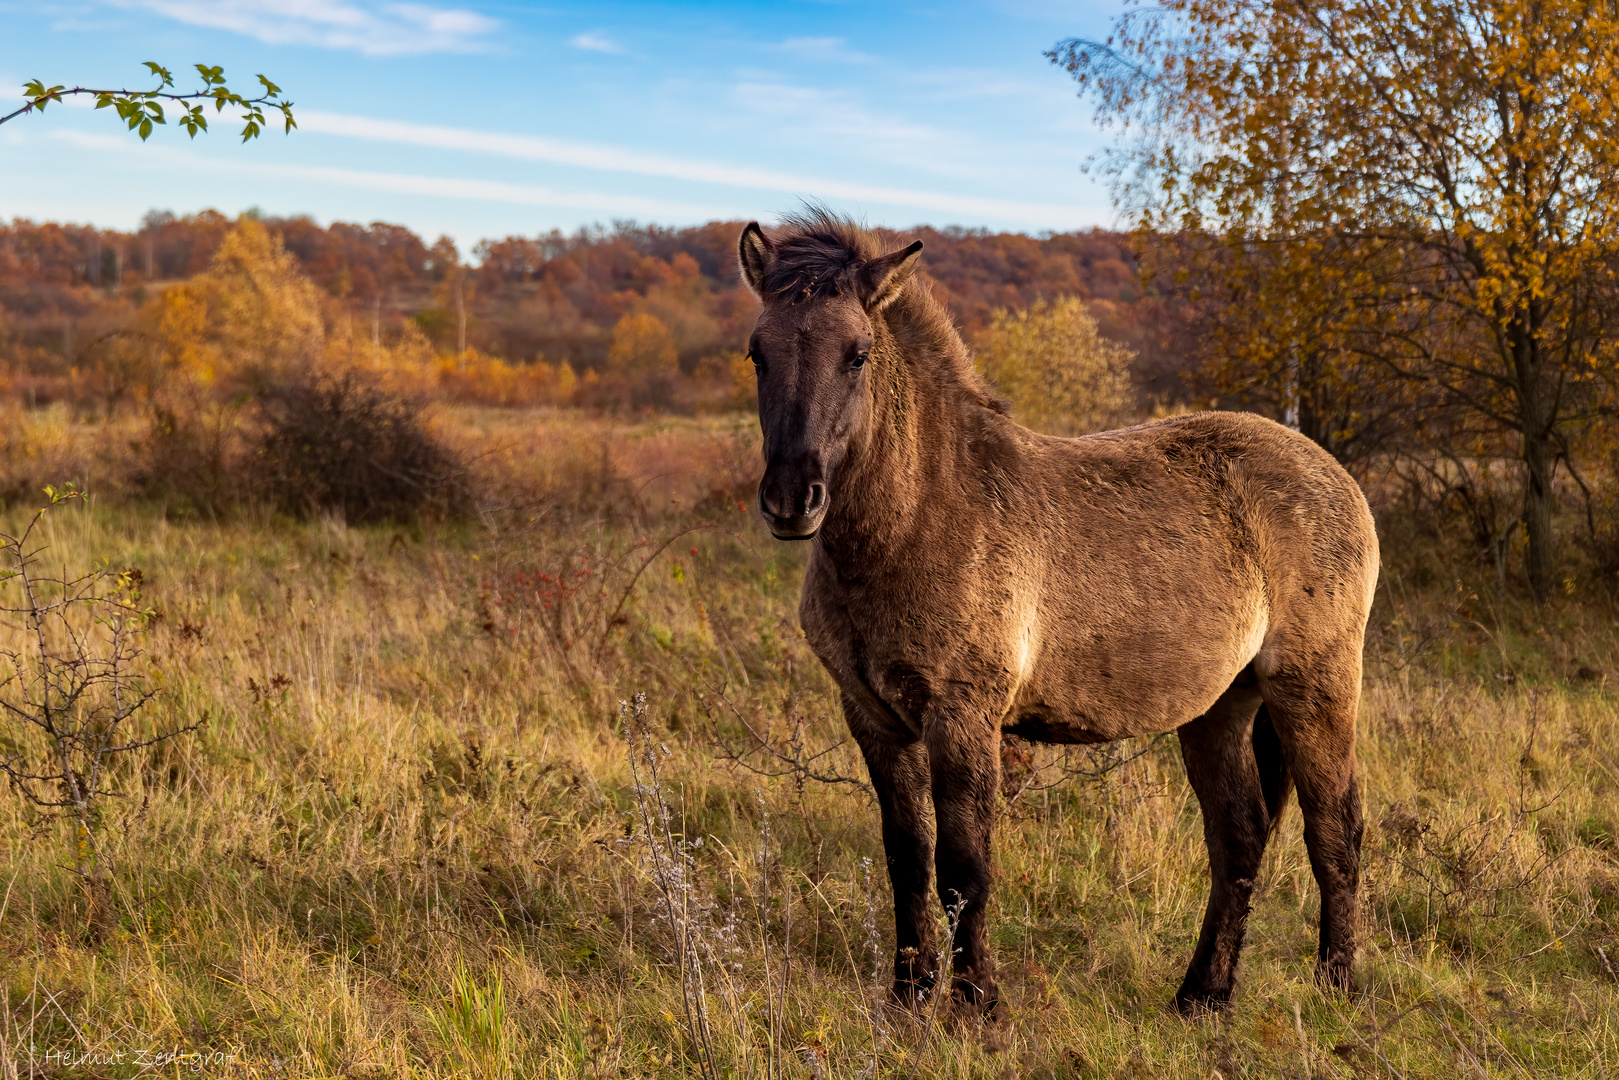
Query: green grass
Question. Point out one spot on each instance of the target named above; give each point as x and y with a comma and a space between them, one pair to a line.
407, 841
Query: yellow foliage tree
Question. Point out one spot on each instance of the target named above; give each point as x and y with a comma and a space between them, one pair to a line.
642, 347
1471, 148
250, 316
1061, 375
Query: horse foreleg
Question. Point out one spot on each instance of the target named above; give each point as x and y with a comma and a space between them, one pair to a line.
965, 767
899, 774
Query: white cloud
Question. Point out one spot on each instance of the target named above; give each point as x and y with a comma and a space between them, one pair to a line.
829, 50
835, 114
366, 26
593, 42
398, 183
635, 162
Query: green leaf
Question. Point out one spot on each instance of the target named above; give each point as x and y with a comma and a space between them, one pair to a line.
271, 88
161, 72
103, 100
146, 130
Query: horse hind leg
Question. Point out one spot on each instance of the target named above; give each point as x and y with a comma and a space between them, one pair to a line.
1240, 779
1275, 779
1314, 715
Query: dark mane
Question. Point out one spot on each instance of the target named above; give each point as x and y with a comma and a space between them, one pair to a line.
818, 253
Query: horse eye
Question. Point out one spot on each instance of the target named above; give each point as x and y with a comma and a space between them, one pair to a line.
758, 364
860, 359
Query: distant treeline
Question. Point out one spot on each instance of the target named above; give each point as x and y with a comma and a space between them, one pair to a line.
554, 297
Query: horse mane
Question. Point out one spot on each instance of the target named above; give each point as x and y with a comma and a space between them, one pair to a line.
818, 253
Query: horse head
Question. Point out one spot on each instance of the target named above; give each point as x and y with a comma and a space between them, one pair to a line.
810, 349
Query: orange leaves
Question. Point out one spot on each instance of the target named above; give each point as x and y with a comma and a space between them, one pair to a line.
487, 380
642, 346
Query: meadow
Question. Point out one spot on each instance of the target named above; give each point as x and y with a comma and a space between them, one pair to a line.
556, 789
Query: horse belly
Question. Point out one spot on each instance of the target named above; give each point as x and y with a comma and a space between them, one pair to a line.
1094, 689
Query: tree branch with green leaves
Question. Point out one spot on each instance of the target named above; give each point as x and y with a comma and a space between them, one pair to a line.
143, 110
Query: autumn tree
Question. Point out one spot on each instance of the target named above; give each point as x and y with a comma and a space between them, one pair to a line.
1290, 351
252, 315
1061, 375
1474, 145
642, 347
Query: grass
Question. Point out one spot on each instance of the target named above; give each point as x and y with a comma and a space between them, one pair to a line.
407, 840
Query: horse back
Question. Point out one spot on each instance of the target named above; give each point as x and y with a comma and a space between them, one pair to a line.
1081, 590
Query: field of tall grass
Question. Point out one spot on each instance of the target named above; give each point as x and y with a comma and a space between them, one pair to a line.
557, 790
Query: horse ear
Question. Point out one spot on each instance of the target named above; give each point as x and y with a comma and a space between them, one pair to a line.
756, 254
881, 279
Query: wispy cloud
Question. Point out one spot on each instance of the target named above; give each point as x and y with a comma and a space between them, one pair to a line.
826, 50
398, 183
593, 42
635, 162
365, 26
833, 113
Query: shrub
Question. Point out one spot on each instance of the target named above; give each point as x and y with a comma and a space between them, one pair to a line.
476, 379
341, 443
189, 455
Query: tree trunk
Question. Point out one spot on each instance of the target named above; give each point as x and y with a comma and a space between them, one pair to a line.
1539, 461
461, 319
1539, 456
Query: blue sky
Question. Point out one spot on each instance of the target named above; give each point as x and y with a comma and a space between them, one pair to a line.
479, 118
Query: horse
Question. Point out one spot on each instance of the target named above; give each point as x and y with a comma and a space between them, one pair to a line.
1209, 574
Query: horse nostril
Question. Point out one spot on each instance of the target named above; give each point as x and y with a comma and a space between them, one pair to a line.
817, 497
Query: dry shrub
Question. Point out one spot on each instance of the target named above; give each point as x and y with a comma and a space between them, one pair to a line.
43, 446
340, 443
1600, 487
187, 454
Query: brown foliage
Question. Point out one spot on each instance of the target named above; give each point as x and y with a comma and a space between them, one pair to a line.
552, 298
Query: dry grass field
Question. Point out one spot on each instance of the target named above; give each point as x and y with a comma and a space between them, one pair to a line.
424, 829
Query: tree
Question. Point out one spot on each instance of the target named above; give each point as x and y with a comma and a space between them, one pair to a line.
1276, 328
642, 347
251, 318
1061, 375
1474, 146
141, 110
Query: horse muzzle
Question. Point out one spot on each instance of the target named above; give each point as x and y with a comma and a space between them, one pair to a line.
793, 507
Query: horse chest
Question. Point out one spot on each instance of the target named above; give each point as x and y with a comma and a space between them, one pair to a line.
907, 654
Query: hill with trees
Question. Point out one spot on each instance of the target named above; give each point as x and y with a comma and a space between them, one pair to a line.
556, 299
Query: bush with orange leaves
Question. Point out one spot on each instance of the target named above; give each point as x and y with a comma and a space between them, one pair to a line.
477, 379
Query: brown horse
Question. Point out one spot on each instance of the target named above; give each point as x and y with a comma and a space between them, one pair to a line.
1209, 574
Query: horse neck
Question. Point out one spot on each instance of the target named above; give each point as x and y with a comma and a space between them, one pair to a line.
905, 462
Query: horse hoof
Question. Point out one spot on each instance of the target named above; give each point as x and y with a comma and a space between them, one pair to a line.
1336, 975
975, 994
911, 994
1195, 1001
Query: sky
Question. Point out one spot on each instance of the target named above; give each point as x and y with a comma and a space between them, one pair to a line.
476, 118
